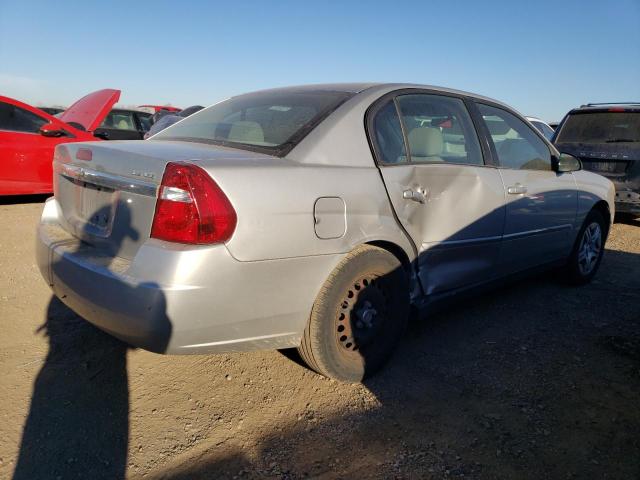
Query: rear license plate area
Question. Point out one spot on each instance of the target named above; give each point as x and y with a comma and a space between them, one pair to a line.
96, 208
606, 167
603, 166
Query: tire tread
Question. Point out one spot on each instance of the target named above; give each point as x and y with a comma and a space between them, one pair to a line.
311, 347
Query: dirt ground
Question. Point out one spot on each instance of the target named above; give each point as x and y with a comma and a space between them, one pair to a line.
536, 380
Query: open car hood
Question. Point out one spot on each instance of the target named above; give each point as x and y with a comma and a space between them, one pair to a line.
90, 110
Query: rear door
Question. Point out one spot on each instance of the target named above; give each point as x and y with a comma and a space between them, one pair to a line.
450, 203
541, 203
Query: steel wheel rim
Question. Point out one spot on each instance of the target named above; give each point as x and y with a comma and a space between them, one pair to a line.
361, 314
590, 248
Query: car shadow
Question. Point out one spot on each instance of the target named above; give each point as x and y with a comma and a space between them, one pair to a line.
537, 380
498, 386
78, 421
628, 219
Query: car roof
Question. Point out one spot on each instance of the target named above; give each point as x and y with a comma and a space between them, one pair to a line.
606, 107
318, 87
368, 86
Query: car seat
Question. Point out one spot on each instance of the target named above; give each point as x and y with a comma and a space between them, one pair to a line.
426, 144
246, 132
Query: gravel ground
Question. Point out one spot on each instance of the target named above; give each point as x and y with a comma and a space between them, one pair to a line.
536, 380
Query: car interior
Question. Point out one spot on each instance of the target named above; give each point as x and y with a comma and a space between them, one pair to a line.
436, 132
120, 121
16, 119
515, 146
263, 120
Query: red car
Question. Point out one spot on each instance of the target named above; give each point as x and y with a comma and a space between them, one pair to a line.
157, 108
28, 137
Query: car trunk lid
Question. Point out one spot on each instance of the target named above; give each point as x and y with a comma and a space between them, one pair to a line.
91, 110
109, 200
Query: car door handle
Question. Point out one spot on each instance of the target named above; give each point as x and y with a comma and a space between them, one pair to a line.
517, 189
418, 195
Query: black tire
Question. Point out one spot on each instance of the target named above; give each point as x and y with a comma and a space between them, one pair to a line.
358, 317
576, 271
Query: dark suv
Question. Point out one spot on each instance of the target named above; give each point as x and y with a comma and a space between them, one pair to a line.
606, 138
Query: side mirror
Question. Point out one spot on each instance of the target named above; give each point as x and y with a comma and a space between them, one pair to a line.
51, 130
567, 163
102, 135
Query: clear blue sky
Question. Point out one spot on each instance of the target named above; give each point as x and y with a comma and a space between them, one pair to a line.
542, 57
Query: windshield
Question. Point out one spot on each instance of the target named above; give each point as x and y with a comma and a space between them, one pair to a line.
270, 122
601, 127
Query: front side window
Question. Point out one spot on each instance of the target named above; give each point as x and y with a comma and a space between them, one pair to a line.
119, 121
16, 119
272, 121
439, 130
518, 147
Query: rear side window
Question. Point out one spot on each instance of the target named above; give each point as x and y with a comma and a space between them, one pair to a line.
272, 121
388, 135
16, 119
601, 127
517, 146
439, 129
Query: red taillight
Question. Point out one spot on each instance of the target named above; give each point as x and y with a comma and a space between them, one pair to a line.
191, 207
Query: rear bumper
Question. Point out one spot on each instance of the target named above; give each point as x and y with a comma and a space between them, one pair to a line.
173, 299
627, 201
628, 190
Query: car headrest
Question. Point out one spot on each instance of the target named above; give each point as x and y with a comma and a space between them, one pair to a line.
245, 131
425, 142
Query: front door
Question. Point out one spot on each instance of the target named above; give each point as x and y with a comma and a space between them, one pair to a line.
449, 202
25, 155
541, 203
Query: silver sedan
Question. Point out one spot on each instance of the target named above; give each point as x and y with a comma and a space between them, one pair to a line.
315, 217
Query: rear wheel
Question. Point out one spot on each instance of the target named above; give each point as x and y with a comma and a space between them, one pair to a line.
588, 250
358, 317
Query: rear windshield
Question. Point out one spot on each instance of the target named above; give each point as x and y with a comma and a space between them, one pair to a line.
601, 127
270, 122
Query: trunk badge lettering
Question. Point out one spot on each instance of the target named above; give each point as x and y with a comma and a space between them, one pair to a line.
142, 174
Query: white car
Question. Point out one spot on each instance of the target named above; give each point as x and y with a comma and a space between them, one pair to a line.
542, 126
313, 217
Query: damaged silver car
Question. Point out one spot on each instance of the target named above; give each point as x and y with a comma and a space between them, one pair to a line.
313, 217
